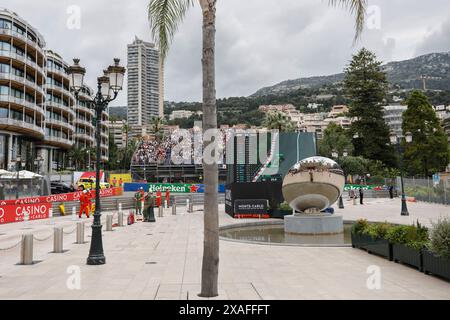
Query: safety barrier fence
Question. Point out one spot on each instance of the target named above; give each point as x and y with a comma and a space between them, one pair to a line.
59, 233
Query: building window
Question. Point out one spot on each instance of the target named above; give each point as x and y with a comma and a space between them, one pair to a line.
3, 151
4, 112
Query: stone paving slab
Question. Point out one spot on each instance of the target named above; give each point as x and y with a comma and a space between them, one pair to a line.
162, 260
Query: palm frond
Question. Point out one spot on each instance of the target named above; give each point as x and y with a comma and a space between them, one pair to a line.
358, 9
164, 17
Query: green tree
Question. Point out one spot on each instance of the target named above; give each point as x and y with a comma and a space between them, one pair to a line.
157, 127
354, 165
366, 85
278, 121
335, 138
165, 17
428, 153
77, 156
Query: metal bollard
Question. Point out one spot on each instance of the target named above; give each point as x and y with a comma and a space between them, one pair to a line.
109, 222
58, 240
166, 204
80, 233
160, 212
120, 207
50, 216
74, 214
174, 209
120, 217
26, 250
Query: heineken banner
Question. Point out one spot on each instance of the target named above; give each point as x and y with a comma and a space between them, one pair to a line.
172, 187
364, 187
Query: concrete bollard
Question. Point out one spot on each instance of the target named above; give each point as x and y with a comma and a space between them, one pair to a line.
58, 240
74, 214
26, 250
120, 217
109, 223
174, 209
80, 233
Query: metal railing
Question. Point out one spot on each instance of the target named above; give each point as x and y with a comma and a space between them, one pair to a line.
427, 190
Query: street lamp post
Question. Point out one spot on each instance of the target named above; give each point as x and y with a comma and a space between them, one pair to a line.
335, 155
395, 140
108, 87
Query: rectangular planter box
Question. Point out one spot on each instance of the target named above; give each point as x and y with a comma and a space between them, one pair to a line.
407, 255
380, 247
361, 241
436, 265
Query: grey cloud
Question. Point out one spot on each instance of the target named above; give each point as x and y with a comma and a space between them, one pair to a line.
259, 42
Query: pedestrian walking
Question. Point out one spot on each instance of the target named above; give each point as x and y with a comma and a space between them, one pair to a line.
361, 196
85, 203
391, 192
353, 196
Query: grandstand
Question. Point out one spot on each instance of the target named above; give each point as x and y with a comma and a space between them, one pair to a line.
245, 156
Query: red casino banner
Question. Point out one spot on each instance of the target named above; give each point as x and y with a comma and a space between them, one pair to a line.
67, 197
18, 213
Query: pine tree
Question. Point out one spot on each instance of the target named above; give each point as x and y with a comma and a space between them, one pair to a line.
428, 153
366, 86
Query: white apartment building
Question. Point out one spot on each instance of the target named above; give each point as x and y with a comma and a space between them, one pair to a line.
181, 114
144, 86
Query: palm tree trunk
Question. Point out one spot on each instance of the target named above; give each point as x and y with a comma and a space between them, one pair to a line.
210, 267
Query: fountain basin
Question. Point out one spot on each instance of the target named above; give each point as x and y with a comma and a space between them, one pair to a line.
314, 224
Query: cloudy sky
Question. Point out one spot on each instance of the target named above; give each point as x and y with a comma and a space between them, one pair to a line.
259, 42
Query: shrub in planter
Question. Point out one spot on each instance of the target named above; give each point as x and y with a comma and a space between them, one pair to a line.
407, 244
371, 238
436, 260
359, 238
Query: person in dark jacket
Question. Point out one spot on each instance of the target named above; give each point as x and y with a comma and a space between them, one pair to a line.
361, 196
391, 192
150, 212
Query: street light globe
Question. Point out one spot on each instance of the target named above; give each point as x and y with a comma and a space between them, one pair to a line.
76, 76
345, 154
104, 84
409, 137
393, 137
116, 75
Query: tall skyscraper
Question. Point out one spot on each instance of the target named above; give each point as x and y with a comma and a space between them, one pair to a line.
144, 86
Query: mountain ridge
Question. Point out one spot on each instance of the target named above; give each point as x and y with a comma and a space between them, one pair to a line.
404, 74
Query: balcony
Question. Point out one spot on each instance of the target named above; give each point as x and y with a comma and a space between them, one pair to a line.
60, 124
23, 60
61, 107
85, 109
22, 103
60, 73
22, 37
58, 142
60, 89
79, 122
23, 127
22, 80
83, 136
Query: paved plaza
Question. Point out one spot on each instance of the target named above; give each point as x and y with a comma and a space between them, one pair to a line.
162, 260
